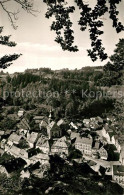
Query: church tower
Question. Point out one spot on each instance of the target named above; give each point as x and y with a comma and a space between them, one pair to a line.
50, 117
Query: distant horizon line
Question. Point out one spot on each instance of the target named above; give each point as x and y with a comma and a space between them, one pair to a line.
96, 66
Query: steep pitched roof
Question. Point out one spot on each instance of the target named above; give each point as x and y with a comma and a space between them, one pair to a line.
32, 137
22, 109
43, 123
100, 120
84, 140
73, 125
15, 150
2, 133
20, 112
14, 137
103, 149
91, 163
59, 141
3, 170
86, 121
40, 156
38, 118
23, 153
8, 132
23, 124
53, 126
74, 135
42, 142
60, 122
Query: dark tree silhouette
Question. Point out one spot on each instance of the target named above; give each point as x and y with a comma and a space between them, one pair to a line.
7, 60
90, 18
114, 69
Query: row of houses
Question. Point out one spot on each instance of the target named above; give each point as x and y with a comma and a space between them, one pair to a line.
85, 145
112, 138
60, 143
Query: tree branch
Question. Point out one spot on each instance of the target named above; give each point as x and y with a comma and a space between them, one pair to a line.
12, 15
26, 5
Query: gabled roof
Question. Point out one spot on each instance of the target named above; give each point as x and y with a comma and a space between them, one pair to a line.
79, 124
94, 125
23, 153
91, 163
15, 150
14, 137
73, 125
3, 141
84, 140
93, 119
21, 110
59, 141
74, 135
79, 139
23, 124
62, 139
102, 149
3, 170
60, 122
2, 133
40, 156
8, 132
38, 117
43, 123
100, 133
86, 121
42, 142
13, 116
32, 137
106, 127
9, 143
100, 120
53, 126
38, 173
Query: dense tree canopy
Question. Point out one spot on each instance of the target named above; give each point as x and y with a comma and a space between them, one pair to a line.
90, 18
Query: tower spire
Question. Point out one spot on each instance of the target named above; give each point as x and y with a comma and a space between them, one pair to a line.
50, 115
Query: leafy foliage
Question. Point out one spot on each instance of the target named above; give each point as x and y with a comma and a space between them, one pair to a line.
115, 67
7, 60
90, 19
62, 23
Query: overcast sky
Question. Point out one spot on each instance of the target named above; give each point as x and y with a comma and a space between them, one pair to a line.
36, 42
